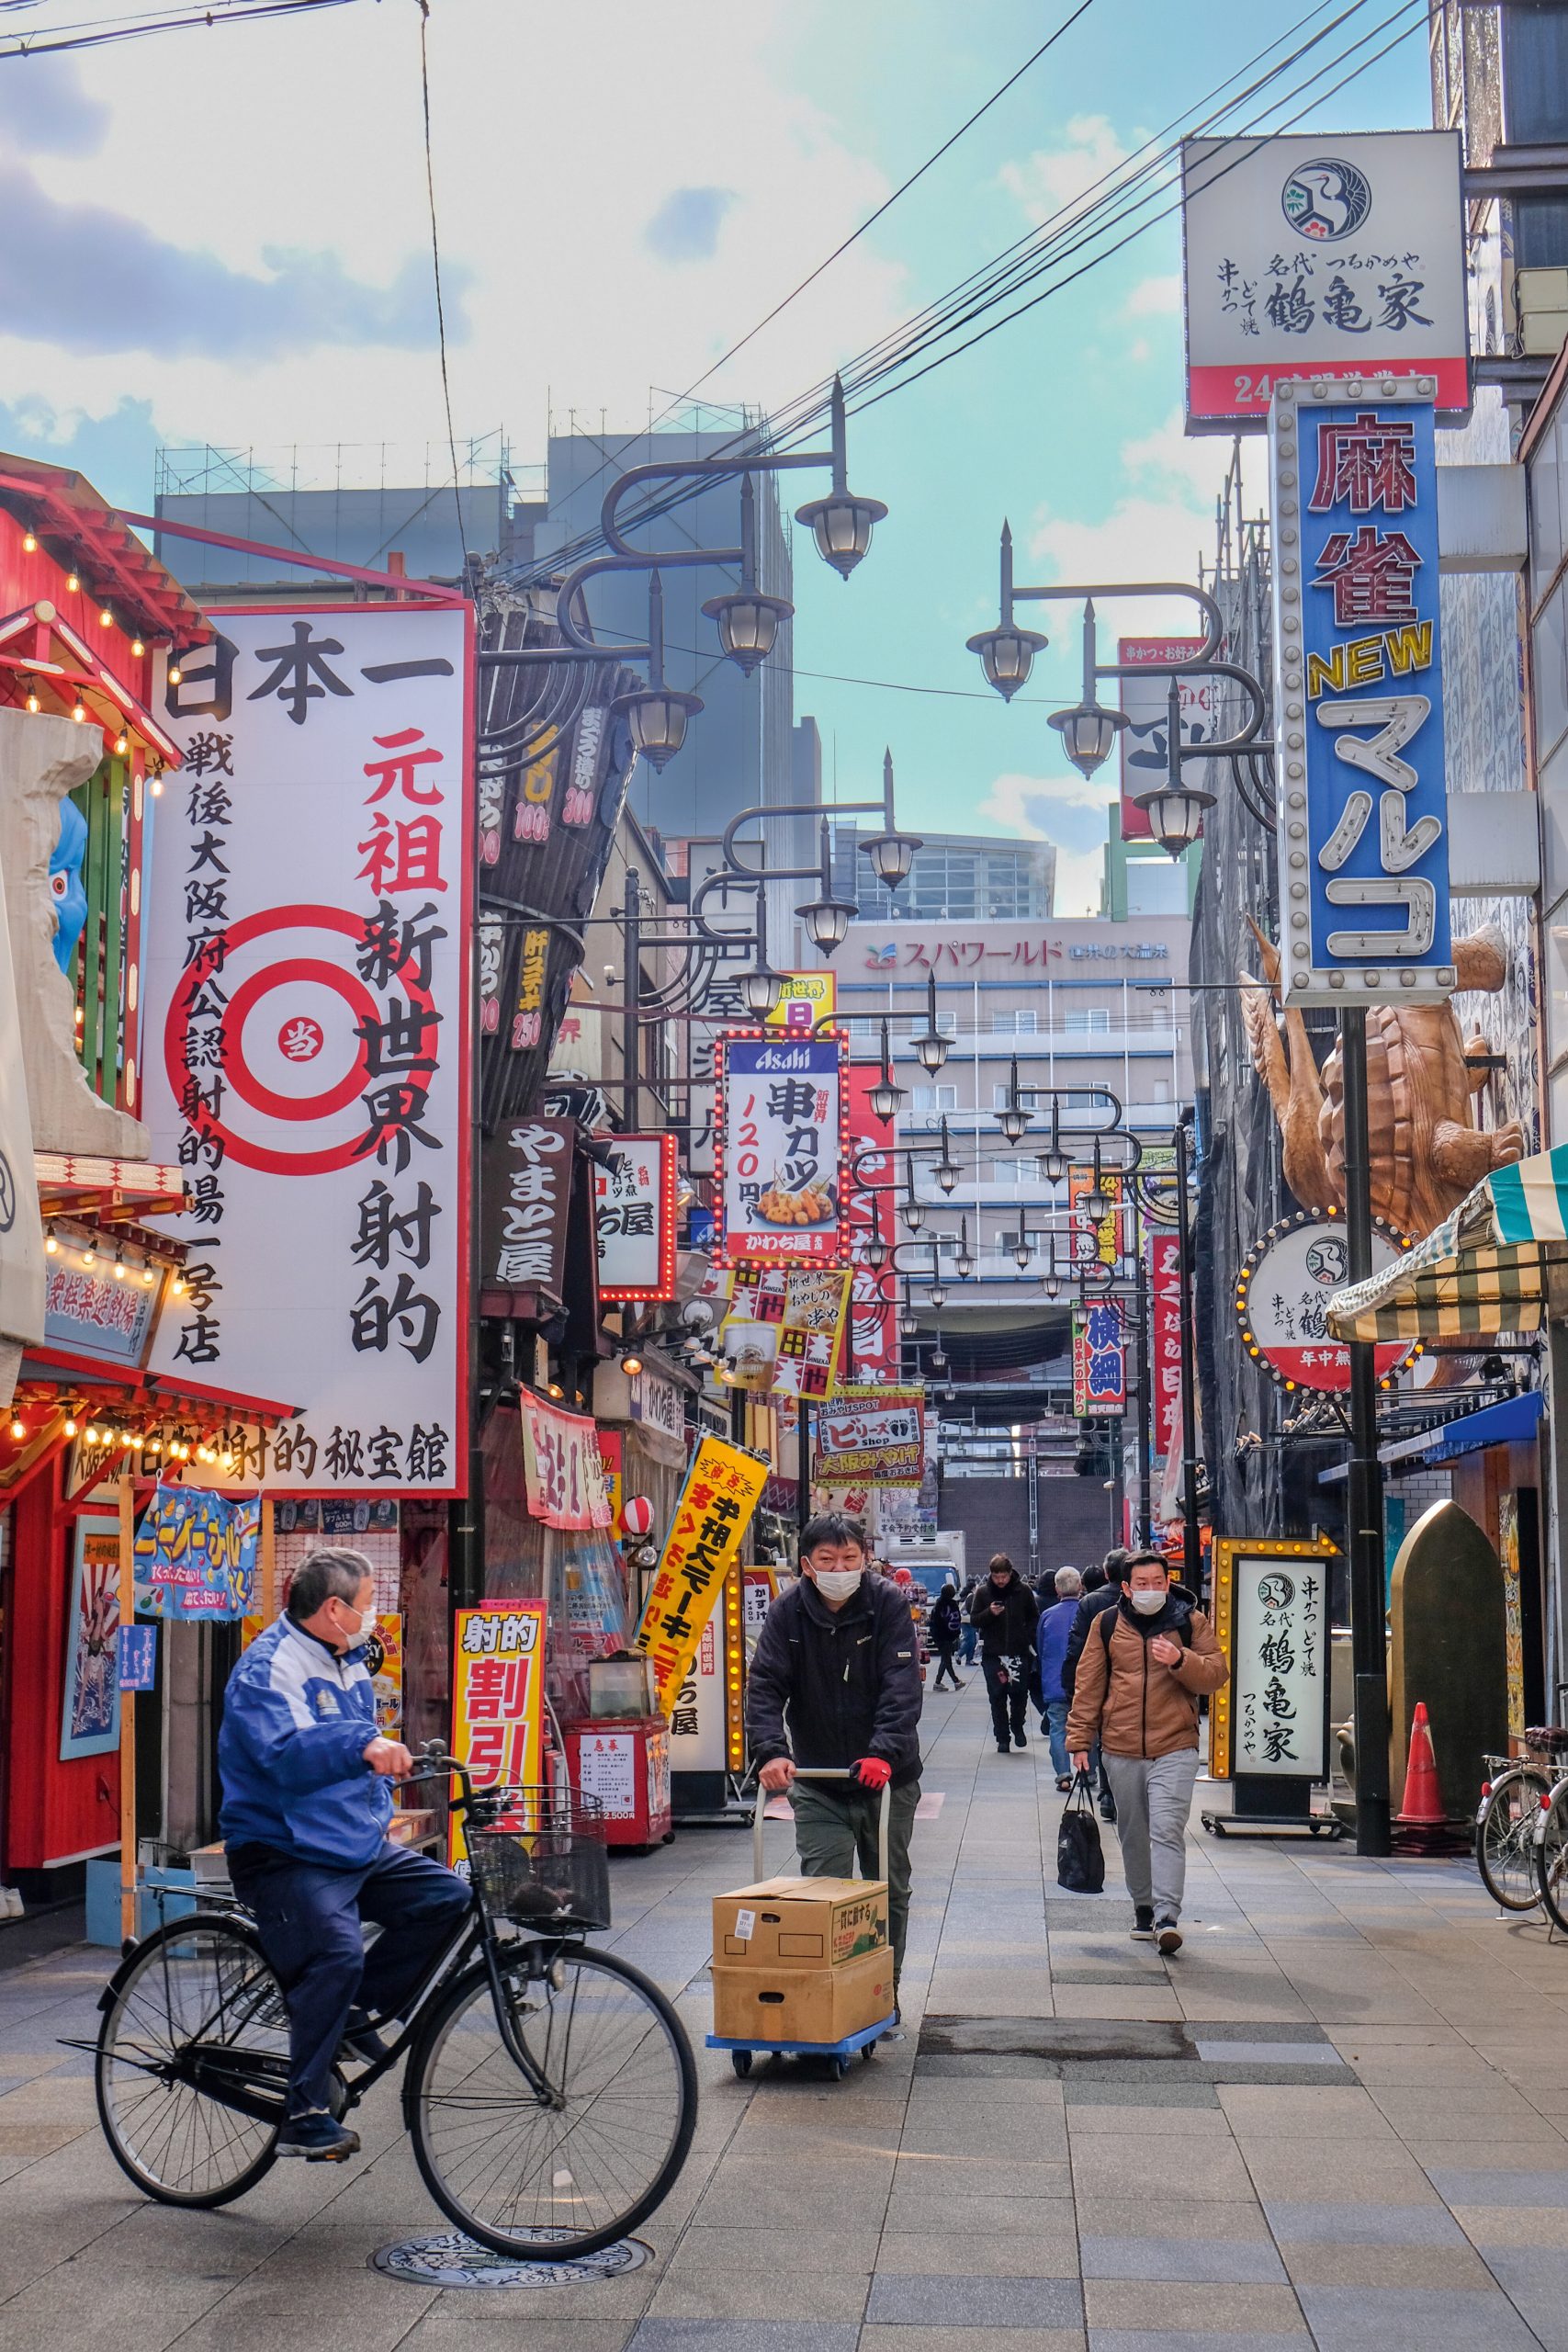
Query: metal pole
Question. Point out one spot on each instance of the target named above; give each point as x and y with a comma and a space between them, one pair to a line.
1368, 1645
466, 1512
631, 1035
803, 1465
1192, 1550
1146, 1353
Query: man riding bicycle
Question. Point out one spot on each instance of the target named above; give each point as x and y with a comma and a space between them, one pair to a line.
306, 1804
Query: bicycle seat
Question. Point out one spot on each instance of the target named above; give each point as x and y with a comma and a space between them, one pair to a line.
1548, 1739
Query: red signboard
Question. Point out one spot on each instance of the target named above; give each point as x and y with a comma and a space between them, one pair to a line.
870, 1350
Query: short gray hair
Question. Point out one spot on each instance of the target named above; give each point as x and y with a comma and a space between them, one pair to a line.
333, 1573
1068, 1580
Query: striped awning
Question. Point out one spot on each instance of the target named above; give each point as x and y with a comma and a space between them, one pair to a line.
1486, 1269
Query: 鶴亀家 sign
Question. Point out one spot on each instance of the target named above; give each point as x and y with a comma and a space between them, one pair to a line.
1282, 1293
779, 1150
1271, 1619
306, 988
1363, 830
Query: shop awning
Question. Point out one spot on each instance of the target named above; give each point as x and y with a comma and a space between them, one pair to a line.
1487, 1268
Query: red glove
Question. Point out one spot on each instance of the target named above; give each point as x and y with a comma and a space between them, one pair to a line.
873, 1771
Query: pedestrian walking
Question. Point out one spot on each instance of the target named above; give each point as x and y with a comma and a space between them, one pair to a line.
946, 1630
970, 1633
1140, 1675
1051, 1644
1102, 1588
835, 1680
1005, 1611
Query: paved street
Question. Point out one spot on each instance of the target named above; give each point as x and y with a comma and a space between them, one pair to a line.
1340, 2117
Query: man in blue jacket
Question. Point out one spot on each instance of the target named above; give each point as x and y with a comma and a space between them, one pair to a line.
1051, 1647
306, 1799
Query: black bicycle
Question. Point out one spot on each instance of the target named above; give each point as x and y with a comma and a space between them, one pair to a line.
550, 2089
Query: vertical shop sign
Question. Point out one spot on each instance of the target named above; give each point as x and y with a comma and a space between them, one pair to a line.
634, 1218
779, 1150
1271, 1612
525, 1202
722, 1491
1099, 1362
497, 1698
1147, 701
89, 1723
871, 1350
1359, 699
308, 1004
1165, 1336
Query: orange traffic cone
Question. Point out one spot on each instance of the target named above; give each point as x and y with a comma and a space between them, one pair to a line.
1422, 1815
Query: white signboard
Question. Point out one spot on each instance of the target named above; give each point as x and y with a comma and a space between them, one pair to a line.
1282, 1294
1280, 1659
779, 1150
696, 1715
1332, 254
606, 1771
307, 1033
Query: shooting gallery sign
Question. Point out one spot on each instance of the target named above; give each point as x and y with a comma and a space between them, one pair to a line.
497, 1663
778, 1149
1283, 1293
722, 1491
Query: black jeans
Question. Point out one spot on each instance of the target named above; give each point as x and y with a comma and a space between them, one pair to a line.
308, 1918
946, 1653
1009, 1700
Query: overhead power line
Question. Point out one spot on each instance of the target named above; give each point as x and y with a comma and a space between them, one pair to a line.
47, 40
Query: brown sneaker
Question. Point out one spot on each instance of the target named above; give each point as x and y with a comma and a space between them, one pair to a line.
1169, 1937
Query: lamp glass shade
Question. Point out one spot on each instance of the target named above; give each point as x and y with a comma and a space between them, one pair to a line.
762, 990
748, 625
909, 1324
939, 1360
1089, 733
1096, 1206
841, 524
938, 1297
914, 1215
1052, 1286
1007, 655
1176, 819
1054, 1163
1021, 1255
891, 856
931, 1047
877, 1255
884, 1098
657, 717
946, 1174
827, 922
965, 1264
1014, 1122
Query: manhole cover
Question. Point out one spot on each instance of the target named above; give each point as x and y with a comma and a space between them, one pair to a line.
447, 2258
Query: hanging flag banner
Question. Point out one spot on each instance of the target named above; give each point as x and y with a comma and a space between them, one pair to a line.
196, 1553
634, 1218
784, 1328
722, 1491
1099, 1362
1093, 1241
498, 1662
870, 1350
872, 1433
1321, 256
808, 998
1359, 698
307, 1021
778, 1149
1164, 1337
1147, 701
562, 1468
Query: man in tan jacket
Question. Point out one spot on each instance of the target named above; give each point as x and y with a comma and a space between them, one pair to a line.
1140, 1675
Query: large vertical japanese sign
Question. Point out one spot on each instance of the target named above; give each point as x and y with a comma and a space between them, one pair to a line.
1147, 701
1358, 696
871, 1350
723, 1488
1321, 257
1099, 1362
1165, 1339
779, 1145
308, 1034
1272, 1618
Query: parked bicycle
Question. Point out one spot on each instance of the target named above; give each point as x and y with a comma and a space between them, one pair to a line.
1550, 1747
550, 2089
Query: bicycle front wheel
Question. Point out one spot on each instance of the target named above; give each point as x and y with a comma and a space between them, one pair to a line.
192, 2069
563, 2168
1505, 1839
1552, 1855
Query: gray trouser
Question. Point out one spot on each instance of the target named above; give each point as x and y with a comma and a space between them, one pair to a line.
830, 1829
1154, 1797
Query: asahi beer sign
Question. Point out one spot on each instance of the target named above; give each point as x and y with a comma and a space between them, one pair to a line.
1283, 1296
307, 1033
779, 1150
1325, 258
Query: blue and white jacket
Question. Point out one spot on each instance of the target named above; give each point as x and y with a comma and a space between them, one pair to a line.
297, 1719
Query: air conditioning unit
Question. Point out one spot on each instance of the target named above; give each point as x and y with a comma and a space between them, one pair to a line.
1541, 297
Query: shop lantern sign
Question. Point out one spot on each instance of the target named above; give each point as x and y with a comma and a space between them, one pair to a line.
563, 1470
195, 1555
498, 1664
873, 1434
1164, 1337
634, 1218
306, 988
1363, 826
1283, 1289
525, 1176
1099, 1362
1271, 1620
1312, 258
778, 1149
723, 1488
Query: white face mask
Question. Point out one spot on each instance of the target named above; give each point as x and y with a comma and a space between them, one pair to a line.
364, 1626
1147, 1603
837, 1584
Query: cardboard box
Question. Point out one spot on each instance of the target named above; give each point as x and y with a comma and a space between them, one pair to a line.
759, 2003
801, 1922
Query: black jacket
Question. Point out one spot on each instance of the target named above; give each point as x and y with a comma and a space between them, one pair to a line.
1105, 1597
1013, 1634
946, 1620
829, 1687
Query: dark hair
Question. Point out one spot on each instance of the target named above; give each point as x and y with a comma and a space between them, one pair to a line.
1094, 1578
1000, 1560
334, 1573
1116, 1561
1144, 1560
832, 1527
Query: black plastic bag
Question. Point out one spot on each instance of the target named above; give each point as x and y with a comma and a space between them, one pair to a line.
1081, 1859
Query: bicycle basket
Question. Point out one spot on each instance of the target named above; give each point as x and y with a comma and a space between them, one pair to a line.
543, 1863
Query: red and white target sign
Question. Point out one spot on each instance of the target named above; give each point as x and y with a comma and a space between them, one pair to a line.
306, 1036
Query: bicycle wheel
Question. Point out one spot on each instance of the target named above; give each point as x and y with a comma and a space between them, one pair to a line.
1505, 1839
1552, 1856
572, 2170
193, 2064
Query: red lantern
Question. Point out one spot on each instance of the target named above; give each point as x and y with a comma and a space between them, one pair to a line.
637, 1515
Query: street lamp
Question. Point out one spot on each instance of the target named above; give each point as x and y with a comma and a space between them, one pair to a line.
914, 1210
1006, 652
1024, 1250
1054, 1160
936, 1297
1175, 809
828, 919
748, 619
908, 1321
947, 1169
1014, 1117
841, 522
892, 853
657, 714
762, 990
1051, 1283
1088, 730
932, 1045
938, 1356
886, 1097
1097, 1203
875, 1253
963, 1261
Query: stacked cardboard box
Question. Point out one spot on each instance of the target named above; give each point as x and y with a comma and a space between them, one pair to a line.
801, 1959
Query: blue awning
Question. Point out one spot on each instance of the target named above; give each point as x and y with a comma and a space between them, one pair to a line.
1513, 1422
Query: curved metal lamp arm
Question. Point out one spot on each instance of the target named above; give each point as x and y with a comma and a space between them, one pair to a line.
1214, 622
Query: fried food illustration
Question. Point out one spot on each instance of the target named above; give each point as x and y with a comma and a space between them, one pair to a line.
809, 1206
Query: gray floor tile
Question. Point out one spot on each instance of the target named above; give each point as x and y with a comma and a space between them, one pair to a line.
1229, 2261
975, 2302
1403, 2319
1536, 2279
744, 2335
1462, 2184
1184, 2339
1299, 2222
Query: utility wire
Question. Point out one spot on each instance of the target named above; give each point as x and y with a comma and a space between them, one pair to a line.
435, 268
90, 34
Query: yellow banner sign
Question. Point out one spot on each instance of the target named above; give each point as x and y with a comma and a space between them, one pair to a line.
498, 1678
722, 1491
808, 998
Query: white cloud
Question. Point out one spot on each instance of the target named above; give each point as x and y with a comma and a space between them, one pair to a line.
1071, 811
1155, 297
1054, 176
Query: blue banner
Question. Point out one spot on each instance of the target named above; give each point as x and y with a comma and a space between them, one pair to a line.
1363, 836
195, 1555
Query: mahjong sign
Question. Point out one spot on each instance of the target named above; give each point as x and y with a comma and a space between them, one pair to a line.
1363, 829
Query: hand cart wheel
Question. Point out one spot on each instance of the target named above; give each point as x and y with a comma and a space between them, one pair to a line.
742, 2062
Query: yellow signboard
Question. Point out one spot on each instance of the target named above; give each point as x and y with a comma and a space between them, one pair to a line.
497, 1681
722, 1491
808, 998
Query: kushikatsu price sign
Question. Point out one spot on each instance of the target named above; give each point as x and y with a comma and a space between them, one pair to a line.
307, 1033
780, 1150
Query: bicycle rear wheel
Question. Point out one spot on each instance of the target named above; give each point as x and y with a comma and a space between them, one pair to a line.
193, 2064
565, 2173
1552, 1856
1505, 1839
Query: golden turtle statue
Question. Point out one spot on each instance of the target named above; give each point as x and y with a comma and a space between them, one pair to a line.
1425, 1150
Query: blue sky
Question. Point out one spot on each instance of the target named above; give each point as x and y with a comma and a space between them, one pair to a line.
223, 237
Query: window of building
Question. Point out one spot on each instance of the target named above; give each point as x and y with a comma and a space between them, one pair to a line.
1019, 1022
1024, 1169
1082, 1018
932, 1099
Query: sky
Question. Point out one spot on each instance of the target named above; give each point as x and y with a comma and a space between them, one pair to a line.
223, 236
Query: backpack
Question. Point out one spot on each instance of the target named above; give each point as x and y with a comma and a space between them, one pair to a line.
1081, 1858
